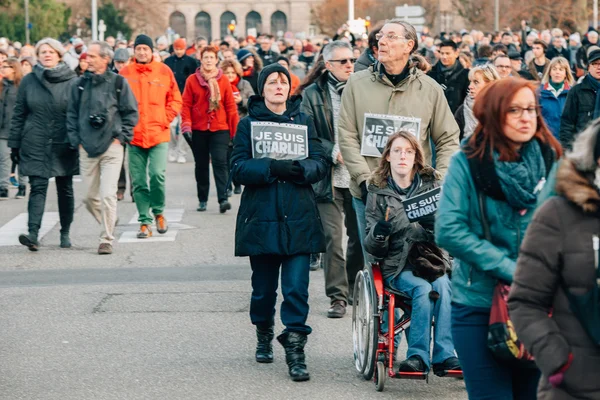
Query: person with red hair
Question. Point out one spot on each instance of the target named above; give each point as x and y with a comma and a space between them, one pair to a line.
496, 180
210, 114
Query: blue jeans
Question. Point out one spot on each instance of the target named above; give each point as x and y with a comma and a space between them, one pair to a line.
423, 310
486, 378
294, 287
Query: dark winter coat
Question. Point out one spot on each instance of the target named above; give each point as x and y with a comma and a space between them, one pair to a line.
267, 57
577, 113
97, 95
39, 123
276, 217
557, 250
552, 107
455, 85
394, 250
553, 52
8, 98
316, 103
246, 91
366, 59
459, 116
182, 68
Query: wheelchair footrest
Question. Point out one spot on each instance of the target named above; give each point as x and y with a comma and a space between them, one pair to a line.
453, 373
411, 375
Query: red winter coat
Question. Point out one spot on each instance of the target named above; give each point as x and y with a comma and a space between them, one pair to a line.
195, 115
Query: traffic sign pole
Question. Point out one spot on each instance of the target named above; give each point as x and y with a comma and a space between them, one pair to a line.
27, 26
94, 20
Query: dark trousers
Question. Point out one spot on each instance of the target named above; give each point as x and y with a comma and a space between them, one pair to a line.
294, 287
37, 202
485, 377
340, 273
211, 147
122, 185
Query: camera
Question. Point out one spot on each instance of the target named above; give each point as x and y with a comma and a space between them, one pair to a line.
97, 121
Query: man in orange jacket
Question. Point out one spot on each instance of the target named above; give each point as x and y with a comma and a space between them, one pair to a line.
159, 102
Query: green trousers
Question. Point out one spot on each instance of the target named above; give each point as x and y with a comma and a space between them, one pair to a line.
148, 168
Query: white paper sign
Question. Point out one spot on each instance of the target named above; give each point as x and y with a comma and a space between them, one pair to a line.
378, 128
279, 141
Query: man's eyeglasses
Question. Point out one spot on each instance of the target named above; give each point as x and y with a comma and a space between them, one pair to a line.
503, 67
390, 36
345, 61
517, 112
595, 64
7, 66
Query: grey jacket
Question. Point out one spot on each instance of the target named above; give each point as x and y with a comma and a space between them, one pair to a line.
393, 251
106, 96
8, 98
246, 92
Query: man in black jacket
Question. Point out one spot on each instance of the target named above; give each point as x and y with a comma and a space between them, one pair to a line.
267, 55
101, 114
451, 75
322, 101
182, 66
581, 105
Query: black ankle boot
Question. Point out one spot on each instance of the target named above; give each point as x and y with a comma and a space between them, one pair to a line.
264, 348
293, 343
65, 240
31, 241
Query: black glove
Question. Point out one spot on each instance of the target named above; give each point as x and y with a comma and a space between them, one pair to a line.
188, 138
286, 169
14, 156
364, 192
382, 230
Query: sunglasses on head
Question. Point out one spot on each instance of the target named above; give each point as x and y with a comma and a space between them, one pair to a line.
345, 61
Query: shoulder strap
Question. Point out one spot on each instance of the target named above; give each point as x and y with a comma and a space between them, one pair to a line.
484, 220
119, 87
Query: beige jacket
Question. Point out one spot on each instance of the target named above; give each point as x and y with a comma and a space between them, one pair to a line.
418, 95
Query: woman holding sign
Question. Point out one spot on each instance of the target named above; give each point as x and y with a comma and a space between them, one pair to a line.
398, 232
277, 156
491, 191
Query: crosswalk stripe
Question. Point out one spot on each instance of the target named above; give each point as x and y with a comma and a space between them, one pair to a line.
9, 233
173, 216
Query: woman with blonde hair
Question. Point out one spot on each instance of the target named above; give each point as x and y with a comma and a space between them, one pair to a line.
556, 83
479, 77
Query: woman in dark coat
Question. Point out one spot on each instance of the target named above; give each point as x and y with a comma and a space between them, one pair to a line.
278, 224
559, 254
38, 139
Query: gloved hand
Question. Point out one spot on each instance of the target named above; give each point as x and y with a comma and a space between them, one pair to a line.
286, 169
556, 379
364, 192
15, 155
188, 138
382, 230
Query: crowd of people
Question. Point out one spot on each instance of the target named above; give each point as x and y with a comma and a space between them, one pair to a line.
505, 122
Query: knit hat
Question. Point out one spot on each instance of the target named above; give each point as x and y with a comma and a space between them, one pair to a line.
77, 42
83, 56
29, 60
268, 70
179, 44
242, 54
514, 55
121, 55
575, 37
145, 40
309, 47
55, 44
593, 54
162, 40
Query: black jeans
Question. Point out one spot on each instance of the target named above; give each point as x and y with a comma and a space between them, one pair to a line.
37, 202
211, 146
122, 185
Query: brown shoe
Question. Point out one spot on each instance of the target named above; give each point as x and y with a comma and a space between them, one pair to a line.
105, 248
144, 232
337, 310
161, 224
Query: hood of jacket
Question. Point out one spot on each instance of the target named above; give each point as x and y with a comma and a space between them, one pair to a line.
60, 73
578, 187
258, 110
367, 58
378, 182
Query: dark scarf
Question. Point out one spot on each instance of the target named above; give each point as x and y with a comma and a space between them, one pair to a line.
409, 191
335, 82
519, 180
595, 85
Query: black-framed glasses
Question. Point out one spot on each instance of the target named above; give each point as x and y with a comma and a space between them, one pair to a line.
345, 61
517, 112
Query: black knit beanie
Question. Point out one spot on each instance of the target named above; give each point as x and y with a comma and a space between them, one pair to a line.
268, 70
143, 39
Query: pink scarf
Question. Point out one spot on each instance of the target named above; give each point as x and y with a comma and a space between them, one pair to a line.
209, 79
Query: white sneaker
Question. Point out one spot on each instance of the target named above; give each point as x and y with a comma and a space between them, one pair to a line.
181, 160
172, 158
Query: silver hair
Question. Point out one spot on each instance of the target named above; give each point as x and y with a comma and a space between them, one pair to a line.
55, 44
105, 50
582, 154
410, 33
332, 47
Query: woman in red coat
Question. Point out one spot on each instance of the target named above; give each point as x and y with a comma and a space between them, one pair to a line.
210, 114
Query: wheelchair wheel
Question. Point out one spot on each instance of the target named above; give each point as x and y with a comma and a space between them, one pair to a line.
357, 322
380, 376
371, 324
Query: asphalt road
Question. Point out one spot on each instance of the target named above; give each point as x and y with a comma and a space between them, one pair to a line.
159, 319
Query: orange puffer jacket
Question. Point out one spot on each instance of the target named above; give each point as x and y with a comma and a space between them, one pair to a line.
159, 101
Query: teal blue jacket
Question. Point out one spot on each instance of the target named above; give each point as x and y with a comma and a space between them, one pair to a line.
479, 264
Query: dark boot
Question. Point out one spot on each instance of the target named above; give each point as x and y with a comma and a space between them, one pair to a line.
65, 240
264, 347
293, 343
30, 240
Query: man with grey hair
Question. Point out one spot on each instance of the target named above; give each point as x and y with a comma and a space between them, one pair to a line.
101, 115
322, 100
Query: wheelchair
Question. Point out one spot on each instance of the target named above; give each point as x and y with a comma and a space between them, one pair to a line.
373, 348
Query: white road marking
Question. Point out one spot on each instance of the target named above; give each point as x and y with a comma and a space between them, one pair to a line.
9, 233
173, 216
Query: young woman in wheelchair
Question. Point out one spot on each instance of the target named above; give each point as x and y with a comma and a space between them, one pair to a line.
392, 238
